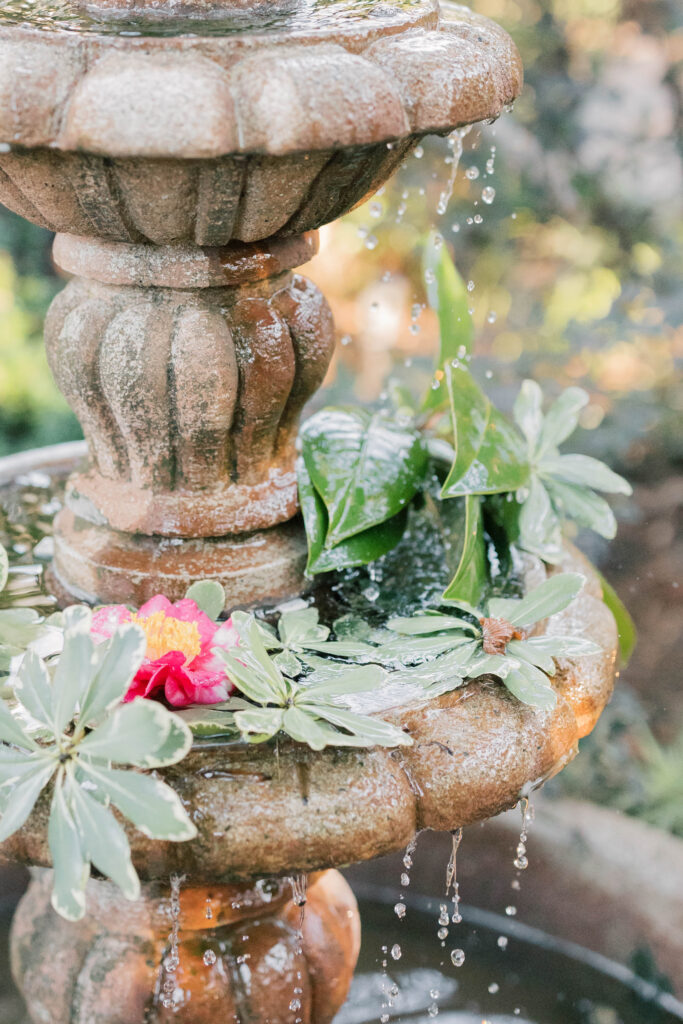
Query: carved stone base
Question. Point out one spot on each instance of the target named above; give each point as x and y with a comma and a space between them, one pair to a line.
100, 565
244, 954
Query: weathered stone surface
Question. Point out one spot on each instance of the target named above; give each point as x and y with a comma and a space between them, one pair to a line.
262, 811
188, 397
108, 968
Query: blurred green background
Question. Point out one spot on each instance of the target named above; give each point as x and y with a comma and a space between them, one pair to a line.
577, 266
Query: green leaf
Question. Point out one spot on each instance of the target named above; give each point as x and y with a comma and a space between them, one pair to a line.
362, 549
423, 625
153, 807
14, 765
250, 667
563, 646
303, 727
74, 667
343, 648
352, 680
528, 412
470, 576
104, 841
538, 656
531, 686
297, 626
585, 472
19, 627
12, 732
540, 530
207, 721
4, 567
34, 688
116, 662
21, 801
489, 455
482, 664
288, 664
209, 596
365, 466
448, 296
626, 627
366, 730
71, 867
260, 724
130, 735
552, 596
561, 420
583, 506
407, 650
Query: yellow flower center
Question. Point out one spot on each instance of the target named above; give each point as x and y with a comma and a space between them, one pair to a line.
166, 634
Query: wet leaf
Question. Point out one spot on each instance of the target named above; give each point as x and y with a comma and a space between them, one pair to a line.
115, 664
153, 807
540, 530
103, 841
209, 596
423, 625
448, 296
472, 567
288, 663
583, 506
365, 466
489, 454
351, 680
531, 686
626, 627
295, 627
584, 471
139, 733
34, 688
364, 729
528, 412
304, 727
4, 567
74, 667
207, 721
19, 803
561, 420
71, 866
260, 724
362, 549
550, 597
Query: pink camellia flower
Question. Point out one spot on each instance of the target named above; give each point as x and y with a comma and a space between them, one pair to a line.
179, 664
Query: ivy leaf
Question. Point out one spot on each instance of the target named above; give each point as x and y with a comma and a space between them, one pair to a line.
153, 807
142, 733
531, 686
471, 573
361, 549
365, 466
489, 457
448, 296
209, 596
104, 841
626, 627
71, 866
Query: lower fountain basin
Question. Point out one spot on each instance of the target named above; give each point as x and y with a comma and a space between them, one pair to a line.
283, 809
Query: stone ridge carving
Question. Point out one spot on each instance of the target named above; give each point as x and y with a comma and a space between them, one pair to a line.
204, 98
189, 399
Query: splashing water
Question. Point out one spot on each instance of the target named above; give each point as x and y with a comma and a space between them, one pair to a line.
171, 961
299, 886
521, 859
455, 144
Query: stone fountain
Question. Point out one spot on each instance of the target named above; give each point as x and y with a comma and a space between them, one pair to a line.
185, 154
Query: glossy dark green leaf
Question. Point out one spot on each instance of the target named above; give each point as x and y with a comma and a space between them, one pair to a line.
365, 466
489, 454
362, 549
448, 296
471, 573
626, 627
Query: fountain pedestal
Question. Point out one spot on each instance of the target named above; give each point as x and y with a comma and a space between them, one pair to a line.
244, 953
188, 368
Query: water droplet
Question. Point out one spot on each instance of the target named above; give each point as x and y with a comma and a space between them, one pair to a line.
209, 958
362, 232
371, 593
458, 957
471, 286
396, 951
405, 880
429, 276
489, 374
455, 228
472, 173
492, 317
513, 216
371, 242
443, 914
376, 210
414, 328
345, 340
502, 942
521, 863
488, 194
442, 933
511, 911
295, 1004
478, 219
494, 987
433, 1010
515, 884
400, 910
419, 152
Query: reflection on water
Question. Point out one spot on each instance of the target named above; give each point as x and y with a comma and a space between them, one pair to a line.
309, 16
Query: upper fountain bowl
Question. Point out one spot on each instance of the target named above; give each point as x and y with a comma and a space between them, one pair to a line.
209, 130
